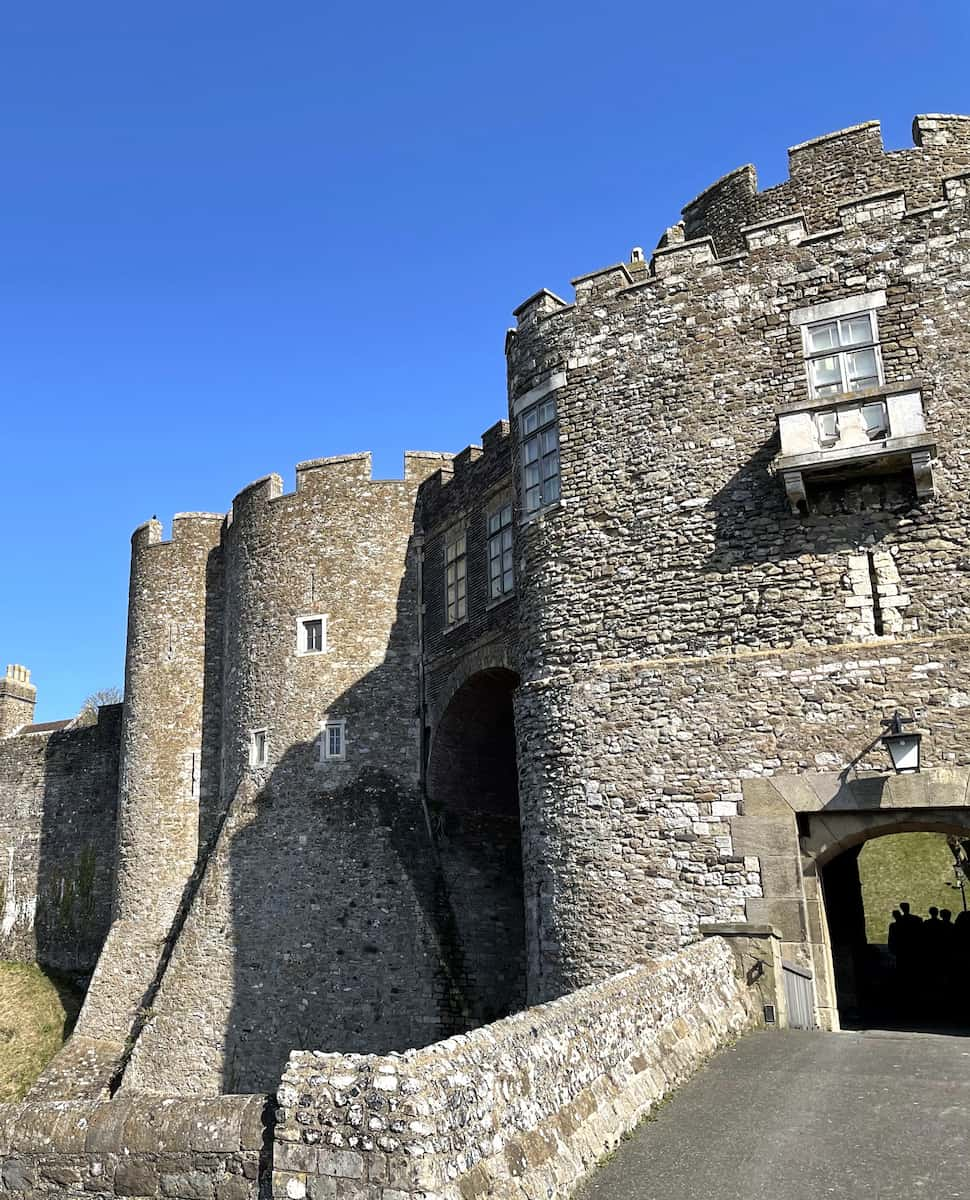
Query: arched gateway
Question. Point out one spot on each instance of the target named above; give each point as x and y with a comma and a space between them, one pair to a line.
474, 804
804, 829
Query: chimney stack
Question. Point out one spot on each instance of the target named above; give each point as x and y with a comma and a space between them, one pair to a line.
17, 699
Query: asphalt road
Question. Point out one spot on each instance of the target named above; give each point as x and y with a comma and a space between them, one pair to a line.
796, 1116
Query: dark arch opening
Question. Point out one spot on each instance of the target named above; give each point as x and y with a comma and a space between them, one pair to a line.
473, 798
895, 968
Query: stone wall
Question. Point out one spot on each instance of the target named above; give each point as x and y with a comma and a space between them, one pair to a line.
58, 806
522, 1108
685, 629
320, 917
147, 1147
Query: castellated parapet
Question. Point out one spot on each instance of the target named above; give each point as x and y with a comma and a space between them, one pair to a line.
400, 757
686, 630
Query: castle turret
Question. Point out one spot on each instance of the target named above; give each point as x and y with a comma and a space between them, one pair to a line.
172, 663
17, 699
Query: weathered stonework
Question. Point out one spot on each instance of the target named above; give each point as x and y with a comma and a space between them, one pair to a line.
521, 1108
369, 801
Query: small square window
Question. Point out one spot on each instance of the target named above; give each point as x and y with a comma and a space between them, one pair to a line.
333, 740
827, 425
311, 634
258, 748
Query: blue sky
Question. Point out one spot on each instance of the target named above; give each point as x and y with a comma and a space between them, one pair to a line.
234, 236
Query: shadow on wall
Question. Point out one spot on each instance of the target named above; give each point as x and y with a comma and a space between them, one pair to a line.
76, 847
356, 922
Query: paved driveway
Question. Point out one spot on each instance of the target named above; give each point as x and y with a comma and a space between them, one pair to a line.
795, 1116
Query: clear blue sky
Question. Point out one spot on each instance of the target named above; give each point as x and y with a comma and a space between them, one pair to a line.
236, 235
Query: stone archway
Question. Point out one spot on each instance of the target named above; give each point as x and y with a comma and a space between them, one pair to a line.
473, 800
797, 824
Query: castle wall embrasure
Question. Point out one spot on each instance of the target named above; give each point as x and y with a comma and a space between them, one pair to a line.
685, 629
318, 919
58, 803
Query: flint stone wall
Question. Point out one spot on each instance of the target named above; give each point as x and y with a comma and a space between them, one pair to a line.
682, 629
58, 806
146, 1146
521, 1108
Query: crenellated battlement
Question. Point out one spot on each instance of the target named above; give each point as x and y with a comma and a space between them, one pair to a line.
839, 185
465, 467
187, 528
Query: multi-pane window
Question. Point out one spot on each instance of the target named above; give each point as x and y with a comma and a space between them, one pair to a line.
501, 579
258, 748
456, 579
333, 740
875, 423
540, 455
311, 634
843, 355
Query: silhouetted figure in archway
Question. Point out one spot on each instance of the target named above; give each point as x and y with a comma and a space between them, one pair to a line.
908, 955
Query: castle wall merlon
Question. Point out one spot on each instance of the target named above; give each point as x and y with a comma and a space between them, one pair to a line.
357, 466
538, 305
268, 487
672, 260
419, 465
149, 533
496, 436
865, 133
603, 282
941, 130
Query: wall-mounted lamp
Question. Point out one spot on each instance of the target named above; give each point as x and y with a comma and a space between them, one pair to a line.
903, 747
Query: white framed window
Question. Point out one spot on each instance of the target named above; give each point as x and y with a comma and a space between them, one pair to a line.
842, 354
501, 576
456, 578
333, 739
311, 633
539, 433
258, 748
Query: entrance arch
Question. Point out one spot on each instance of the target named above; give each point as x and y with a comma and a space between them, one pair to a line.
473, 799
898, 931
797, 826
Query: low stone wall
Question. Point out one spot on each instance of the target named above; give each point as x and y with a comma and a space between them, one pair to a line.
147, 1146
521, 1108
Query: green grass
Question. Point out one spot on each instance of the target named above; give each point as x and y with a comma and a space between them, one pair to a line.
905, 866
37, 1013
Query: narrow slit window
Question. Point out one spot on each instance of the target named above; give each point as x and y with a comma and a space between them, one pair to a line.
501, 576
456, 579
258, 748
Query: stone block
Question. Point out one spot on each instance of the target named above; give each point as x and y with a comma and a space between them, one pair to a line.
136, 1178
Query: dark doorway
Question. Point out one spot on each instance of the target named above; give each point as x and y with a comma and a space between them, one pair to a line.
474, 802
899, 933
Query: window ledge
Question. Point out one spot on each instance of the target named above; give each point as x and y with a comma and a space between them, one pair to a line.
455, 625
546, 511
500, 600
822, 460
841, 399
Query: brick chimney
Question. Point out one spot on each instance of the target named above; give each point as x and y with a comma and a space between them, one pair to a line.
17, 698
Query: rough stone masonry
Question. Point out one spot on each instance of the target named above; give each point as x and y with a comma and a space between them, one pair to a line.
399, 758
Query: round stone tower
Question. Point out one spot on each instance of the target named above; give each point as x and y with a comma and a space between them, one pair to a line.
756, 549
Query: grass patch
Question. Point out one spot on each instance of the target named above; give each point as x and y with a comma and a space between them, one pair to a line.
37, 1012
905, 866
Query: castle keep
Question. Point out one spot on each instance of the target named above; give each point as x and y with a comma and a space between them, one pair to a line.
400, 758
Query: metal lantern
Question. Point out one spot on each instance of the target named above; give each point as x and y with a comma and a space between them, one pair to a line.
903, 747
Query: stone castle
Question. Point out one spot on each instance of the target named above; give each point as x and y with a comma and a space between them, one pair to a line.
400, 758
